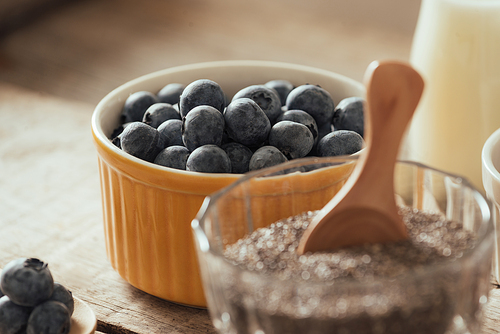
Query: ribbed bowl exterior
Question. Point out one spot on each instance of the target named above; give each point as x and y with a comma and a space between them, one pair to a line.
148, 209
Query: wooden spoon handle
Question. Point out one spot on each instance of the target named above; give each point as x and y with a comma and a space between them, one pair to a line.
393, 92
364, 210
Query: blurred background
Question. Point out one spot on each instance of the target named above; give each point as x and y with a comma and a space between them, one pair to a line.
82, 49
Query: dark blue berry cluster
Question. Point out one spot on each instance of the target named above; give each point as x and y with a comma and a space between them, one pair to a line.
197, 128
31, 301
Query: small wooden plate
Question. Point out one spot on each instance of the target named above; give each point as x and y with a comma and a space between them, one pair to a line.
83, 320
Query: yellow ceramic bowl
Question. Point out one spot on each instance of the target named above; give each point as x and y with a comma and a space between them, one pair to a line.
148, 208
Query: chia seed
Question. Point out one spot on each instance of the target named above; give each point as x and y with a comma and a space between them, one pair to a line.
374, 288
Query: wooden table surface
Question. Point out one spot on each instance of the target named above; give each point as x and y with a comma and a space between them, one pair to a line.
55, 70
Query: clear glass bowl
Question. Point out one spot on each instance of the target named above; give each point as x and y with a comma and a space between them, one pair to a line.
444, 298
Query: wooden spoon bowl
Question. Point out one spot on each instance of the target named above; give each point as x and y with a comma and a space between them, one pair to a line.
365, 210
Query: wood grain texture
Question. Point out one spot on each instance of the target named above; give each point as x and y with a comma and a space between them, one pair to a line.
51, 209
55, 70
85, 50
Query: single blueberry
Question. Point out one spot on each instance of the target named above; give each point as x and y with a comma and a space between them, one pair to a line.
115, 135
136, 105
349, 115
202, 126
171, 93
246, 123
27, 282
239, 155
142, 141
282, 87
63, 295
13, 317
159, 113
201, 92
172, 132
267, 99
50, 317
301, 117
293, 139
209, 159
266, 156
340, 142
173, 157
314, 100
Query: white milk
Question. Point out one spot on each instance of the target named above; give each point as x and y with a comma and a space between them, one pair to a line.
456, 48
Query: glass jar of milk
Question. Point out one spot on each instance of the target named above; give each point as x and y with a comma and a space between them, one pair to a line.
456, 49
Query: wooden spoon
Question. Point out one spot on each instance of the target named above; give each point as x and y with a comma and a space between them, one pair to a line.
365, 210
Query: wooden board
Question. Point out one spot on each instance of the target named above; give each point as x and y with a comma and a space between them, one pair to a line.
50, 208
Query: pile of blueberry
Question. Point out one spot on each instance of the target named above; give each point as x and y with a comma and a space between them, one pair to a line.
31, 302
197, 128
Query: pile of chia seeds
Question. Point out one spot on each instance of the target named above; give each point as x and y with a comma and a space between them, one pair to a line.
376, 288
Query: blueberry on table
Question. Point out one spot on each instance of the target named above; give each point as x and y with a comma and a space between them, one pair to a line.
13, 317
239, 155
136, 105
63, 295
202, 126
341, 142
209, 159
314, 100
267, 99
266, 156
282, 87
171, 93
293, 139
201, 92
172, 132
301, 117
50, 317
246, 123
142, 141
27, 282
159, 113
173, 157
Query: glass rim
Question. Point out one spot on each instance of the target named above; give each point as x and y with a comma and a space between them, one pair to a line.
484, 232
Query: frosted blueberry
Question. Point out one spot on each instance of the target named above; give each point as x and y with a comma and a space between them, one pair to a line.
349, 115
266, 156
159, 113
13, 317
171, 93
267, 99
201, 92
136, 105
63, 295
246, 123
51, 317
27, 282
209, 159
172, 132
301, 117
282, 87
293, 139
142, 141
173, 157
341, 142
314, 100
239, 155
202, 126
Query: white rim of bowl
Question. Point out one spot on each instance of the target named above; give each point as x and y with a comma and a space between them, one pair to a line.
486, 156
